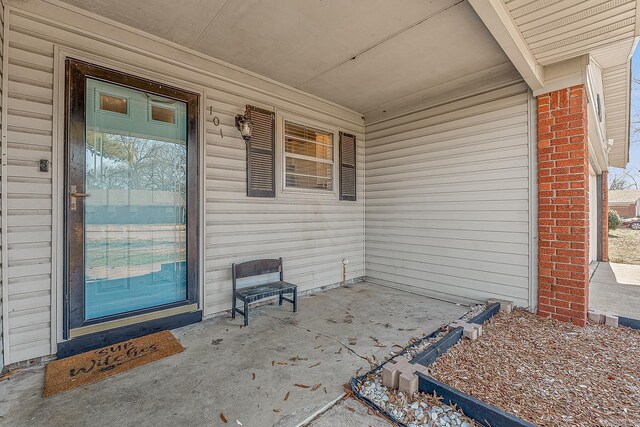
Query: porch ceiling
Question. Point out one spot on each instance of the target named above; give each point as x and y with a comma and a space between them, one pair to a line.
541, 33
361, 54
559, 30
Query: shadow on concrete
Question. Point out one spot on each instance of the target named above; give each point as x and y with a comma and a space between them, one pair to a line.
615, 288
251, 375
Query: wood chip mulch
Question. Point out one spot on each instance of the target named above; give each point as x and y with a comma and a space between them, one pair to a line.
550, 373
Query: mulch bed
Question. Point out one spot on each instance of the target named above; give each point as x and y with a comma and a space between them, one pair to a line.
550, 373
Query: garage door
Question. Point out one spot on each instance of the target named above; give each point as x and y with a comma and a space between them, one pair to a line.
448, 199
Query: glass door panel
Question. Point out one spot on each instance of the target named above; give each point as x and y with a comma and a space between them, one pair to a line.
131, 224
135, 222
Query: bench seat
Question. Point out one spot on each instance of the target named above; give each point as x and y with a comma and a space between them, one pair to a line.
251, 293
265, 290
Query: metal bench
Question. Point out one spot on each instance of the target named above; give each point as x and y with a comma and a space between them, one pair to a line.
252, 293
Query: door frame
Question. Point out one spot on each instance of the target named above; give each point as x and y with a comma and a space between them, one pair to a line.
76, 70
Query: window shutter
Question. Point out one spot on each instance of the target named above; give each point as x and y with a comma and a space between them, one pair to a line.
261, 154
347, 166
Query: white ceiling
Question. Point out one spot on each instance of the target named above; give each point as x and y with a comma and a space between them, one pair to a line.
358, 53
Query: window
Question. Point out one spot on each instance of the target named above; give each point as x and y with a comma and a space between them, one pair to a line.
114, 104
308, 157
162, 114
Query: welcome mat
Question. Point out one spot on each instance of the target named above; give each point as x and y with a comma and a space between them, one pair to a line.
95, 365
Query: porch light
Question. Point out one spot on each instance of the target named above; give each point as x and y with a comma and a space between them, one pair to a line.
244, 125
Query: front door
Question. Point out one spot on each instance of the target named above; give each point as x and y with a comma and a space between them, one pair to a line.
131, 197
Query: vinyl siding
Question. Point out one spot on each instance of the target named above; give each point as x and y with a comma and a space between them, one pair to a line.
616, 82
2, 200
448, 191
555, 31
312, 232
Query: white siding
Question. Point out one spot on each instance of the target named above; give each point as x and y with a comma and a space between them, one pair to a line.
312, 233
556, 30
448, 192
596, 95
616, 96
593, 216
2, 307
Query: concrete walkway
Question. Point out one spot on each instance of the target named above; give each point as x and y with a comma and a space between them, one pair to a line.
214, 374
616, 288
349, 413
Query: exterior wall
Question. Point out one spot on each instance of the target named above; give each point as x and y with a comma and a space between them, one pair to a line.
605, 216
593, 217
627, 211
312, 232
617, 94
563, 210
2, 189
448, 196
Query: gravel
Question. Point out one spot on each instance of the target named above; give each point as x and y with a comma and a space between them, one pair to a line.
550, 373
474, 311
421, 409
418, 410
417, 345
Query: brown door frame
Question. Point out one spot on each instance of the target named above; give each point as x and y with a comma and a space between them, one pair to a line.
76, 73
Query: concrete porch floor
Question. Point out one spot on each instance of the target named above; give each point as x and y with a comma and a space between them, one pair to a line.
615, 288
214, 374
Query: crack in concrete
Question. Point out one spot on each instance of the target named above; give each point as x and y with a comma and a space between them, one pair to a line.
594, 271
320, 334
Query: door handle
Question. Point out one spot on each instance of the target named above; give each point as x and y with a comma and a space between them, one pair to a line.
73, 204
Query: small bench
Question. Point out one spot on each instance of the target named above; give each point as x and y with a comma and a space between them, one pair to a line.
253, 293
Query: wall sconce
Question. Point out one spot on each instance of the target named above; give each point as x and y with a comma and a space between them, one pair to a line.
244, 125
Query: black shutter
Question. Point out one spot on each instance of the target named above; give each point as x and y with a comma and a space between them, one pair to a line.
261, 180
347, 166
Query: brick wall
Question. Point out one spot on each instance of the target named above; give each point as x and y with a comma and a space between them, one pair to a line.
605, 216
563, 208
628, 211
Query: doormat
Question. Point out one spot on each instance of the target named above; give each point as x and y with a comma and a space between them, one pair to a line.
95, 365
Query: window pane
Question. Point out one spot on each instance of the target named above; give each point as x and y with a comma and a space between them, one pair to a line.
309, 174
135, 220
305, 132
114, 104
309, 167
299, 181
301, 140
306, 148
160, 114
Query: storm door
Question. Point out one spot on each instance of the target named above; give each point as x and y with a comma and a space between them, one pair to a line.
131, 196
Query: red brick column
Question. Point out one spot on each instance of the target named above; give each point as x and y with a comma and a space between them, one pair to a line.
563, 207
605, 216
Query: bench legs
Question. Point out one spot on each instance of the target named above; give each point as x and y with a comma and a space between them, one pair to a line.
293, 301
233, 308
245, 313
